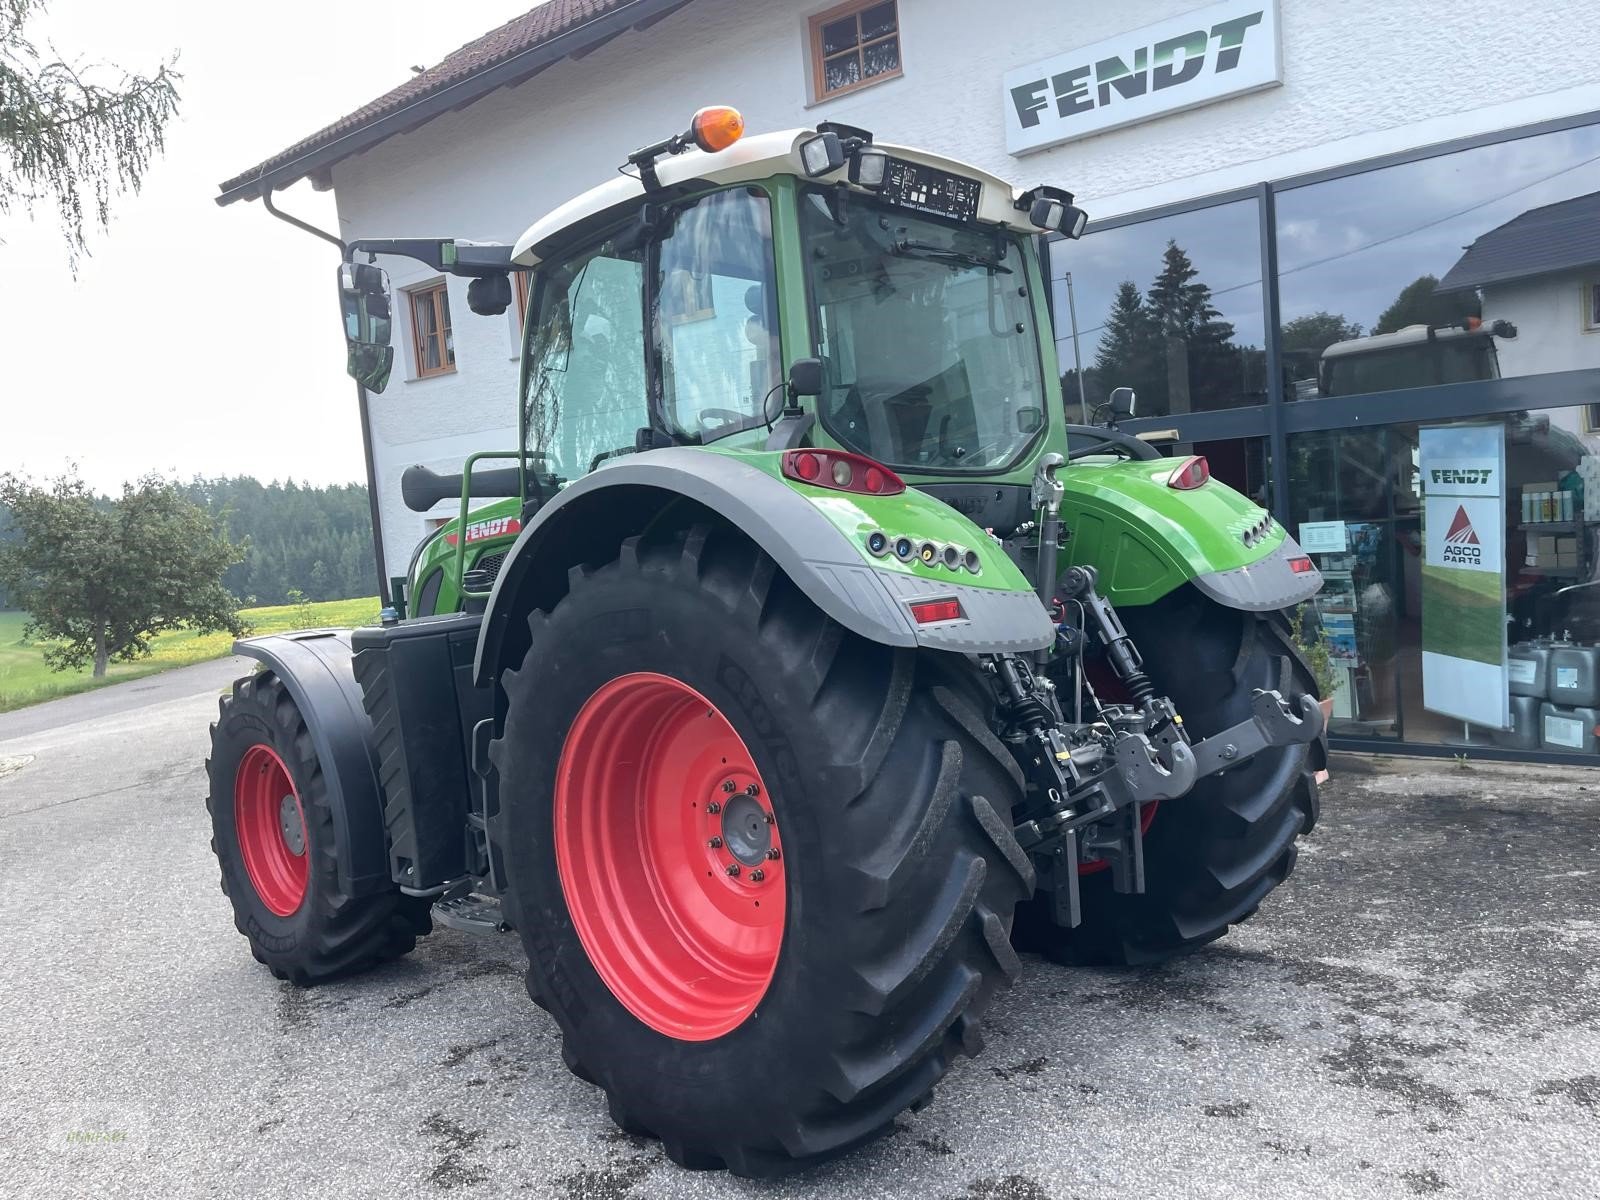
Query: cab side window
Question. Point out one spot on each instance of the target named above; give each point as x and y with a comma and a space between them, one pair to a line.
584, 397
715, 318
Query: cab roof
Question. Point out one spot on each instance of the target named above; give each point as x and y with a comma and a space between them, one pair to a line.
756, 157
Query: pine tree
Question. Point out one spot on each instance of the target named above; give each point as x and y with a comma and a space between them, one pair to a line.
1193, 347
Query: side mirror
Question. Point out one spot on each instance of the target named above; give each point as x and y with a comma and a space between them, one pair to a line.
805, 377
1029, 419
1122, 403
368, 321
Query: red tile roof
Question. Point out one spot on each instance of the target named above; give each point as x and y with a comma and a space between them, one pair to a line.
542, 25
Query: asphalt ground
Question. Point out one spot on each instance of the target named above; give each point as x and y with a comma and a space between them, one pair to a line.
1417, 1012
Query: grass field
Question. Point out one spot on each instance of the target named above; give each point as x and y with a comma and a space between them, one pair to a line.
1463, 613
24, 679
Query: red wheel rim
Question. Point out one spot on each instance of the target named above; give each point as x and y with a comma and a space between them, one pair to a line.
669, 856
272, 830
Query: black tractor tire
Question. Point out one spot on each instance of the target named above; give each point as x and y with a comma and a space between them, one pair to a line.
1213, 855
329, 934
893, 800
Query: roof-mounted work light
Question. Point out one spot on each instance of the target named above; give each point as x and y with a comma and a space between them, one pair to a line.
1051, 209
835, 144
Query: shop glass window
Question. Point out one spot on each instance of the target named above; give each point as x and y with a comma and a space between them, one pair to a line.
1357, 505
1171, 308
1463, 267
853, 46
431, 339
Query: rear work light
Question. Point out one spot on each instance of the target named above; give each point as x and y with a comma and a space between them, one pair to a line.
841, 471
1190, 473
926, 612
1301, 565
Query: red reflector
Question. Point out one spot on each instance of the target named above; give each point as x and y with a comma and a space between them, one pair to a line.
928, 611
1190, 473
1301, 565
841, 471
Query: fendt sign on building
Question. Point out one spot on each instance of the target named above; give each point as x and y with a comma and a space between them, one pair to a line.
1193, 59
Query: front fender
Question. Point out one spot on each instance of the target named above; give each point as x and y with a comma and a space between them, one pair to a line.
1145, 539
315, 666
816, 537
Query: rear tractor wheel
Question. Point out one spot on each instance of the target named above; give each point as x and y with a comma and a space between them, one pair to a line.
763, 869
1213, 855
273, 835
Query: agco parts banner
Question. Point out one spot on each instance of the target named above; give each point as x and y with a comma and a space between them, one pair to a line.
1463, 573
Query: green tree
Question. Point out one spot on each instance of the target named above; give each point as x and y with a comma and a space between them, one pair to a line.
100, 577
1315, 332
1193, 349
68, 137
1420, 304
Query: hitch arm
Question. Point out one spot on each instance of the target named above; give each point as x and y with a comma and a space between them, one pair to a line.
1271, 723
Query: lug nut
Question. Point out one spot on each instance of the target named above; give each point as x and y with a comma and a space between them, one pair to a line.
768, 818
713, 808
773, 854
757, 875
715, 843
729, 785
753, 790
732, 870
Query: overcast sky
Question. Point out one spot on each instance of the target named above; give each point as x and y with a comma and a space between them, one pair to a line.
197, 339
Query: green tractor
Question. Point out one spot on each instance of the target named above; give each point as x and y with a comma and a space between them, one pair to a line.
806, 666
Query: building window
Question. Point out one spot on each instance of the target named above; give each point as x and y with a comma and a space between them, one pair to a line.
522, 282
854, 46
1591, 307
431, 340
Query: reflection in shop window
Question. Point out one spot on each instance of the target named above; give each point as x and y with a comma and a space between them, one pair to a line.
1462, 267
1171, 308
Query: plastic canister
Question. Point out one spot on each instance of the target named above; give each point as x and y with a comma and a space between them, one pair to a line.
1568, 729
1527, 664
1524, 731
1574, 674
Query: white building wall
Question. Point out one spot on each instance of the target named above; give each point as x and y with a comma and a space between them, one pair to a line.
1361, 78
1549, 315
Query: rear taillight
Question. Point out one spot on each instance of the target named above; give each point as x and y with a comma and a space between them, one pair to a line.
925, 612
1301, 565
1190, 473
841, 471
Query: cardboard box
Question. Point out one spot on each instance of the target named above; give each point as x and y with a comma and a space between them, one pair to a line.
1566, 545
1545, 545
1566, 560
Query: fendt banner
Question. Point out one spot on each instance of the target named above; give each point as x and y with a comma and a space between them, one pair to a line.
1463, 573
1179, 63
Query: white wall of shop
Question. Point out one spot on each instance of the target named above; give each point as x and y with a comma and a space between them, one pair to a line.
1360, 78
1550, 315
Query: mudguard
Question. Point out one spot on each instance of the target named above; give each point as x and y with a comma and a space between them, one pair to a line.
804, 529
1145, 538
314, 665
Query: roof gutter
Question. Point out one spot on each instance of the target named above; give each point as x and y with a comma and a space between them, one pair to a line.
634, 13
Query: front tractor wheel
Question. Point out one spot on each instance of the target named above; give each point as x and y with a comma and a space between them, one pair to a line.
273, 835
763, 869
1212, 855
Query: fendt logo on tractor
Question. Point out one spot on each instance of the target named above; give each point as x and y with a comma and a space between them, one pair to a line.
757, 699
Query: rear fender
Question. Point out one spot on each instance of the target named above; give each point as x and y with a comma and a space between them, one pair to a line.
804, 529
314, 665
1146, 539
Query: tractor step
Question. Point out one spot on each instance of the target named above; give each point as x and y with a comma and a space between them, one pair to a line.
471, 913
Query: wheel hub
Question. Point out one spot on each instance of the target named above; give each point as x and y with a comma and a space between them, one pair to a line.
746, 830
289, 824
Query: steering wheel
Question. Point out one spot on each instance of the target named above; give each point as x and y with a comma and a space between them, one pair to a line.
723, 416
